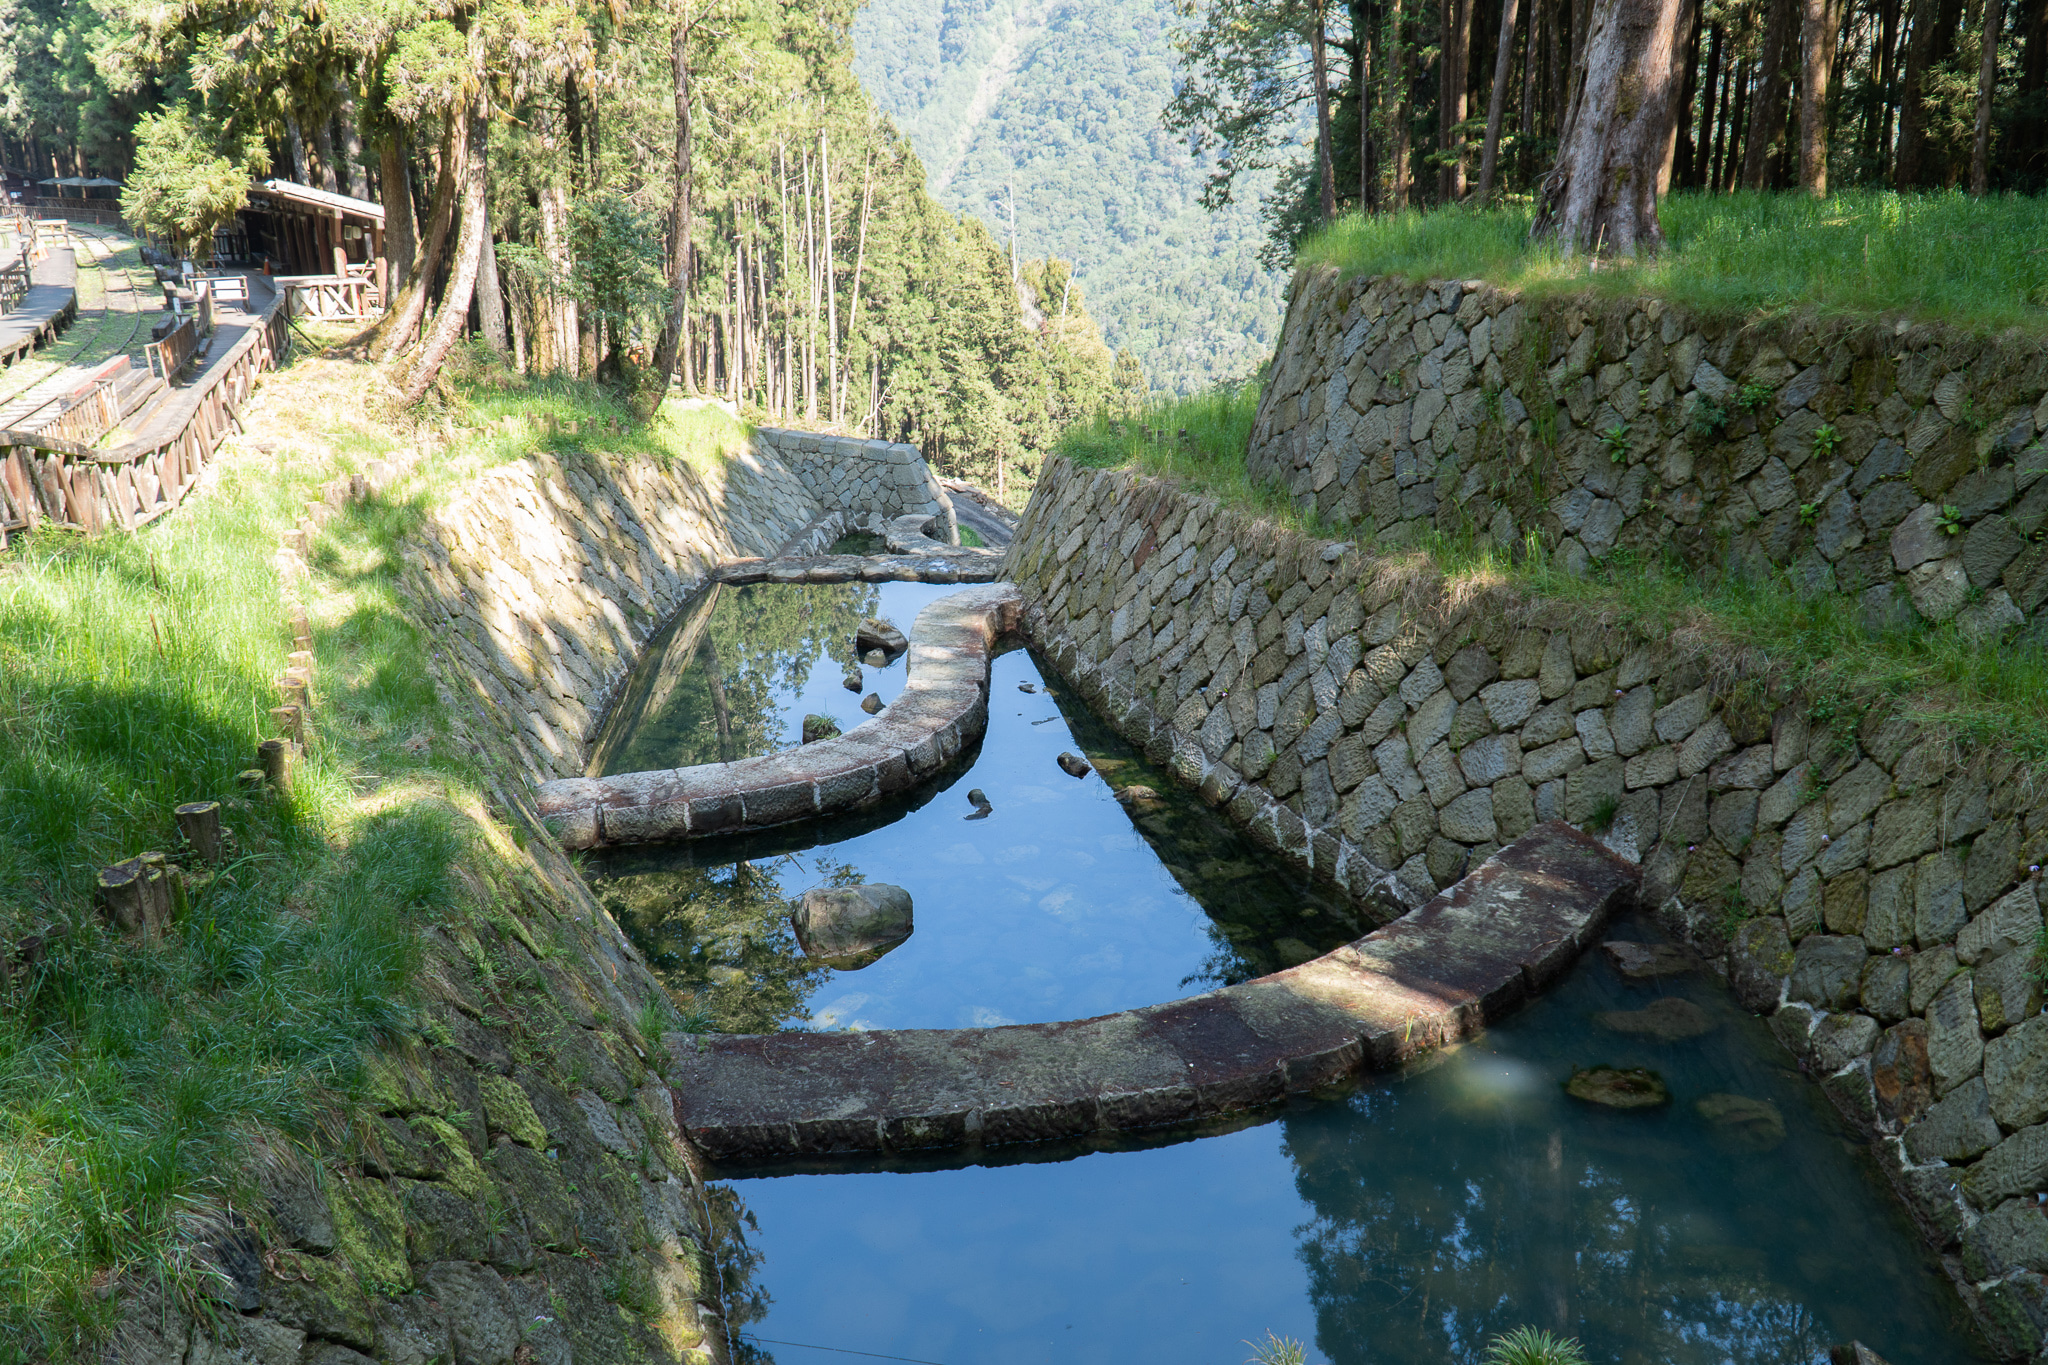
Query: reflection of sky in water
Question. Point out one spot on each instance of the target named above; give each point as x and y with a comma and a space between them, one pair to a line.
1052, 907
1404, 1225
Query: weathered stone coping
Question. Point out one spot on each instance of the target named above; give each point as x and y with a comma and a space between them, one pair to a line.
1440, 973
953, 566
942, 709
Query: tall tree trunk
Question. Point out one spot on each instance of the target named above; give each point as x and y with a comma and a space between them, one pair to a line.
811, 320
1501, 63
1366, 31
469, 253
673, 342
1884, 60
1767, 113
1912, 112
1394, 108
1602, 194
2030, 135
1525, 127
355, 178
295, 150
832, 275
860, 259
1706, 155
323, 148
490, 296
1820, 22
1683, 142
401, 324
1452, 67
1319, 64
394, 185
1987, 83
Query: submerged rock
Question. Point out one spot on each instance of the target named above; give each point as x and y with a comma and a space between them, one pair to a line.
1073, 765
1667, 1021
819, 727
977, 797
851, 682
875, 658
1138, 797
1027, 687
1640, 960
1854, 1353
1755, 1124
878, 634
847, 927
1618, 1089
871, 704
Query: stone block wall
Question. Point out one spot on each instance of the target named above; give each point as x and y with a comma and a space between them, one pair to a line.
1899, 464
883, 477
1861, 878
542, 579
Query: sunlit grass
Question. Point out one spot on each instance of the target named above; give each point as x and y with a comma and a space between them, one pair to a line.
1940, 257
136, 674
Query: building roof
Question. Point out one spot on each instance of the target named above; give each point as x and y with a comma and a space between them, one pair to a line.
344, 204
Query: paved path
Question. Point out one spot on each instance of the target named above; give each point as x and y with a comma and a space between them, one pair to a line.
971, 507
1438, 974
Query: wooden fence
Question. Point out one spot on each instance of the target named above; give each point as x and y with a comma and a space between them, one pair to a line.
51, 480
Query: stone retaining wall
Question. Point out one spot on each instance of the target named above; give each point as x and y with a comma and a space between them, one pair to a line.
884, 477
1899, 464
1860, 877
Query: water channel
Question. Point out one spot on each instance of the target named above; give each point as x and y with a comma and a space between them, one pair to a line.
1406, 1220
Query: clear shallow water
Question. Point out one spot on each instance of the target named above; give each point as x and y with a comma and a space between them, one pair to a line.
1405, 1222
1058, 905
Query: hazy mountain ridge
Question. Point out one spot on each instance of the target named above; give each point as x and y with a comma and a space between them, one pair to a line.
1062, 100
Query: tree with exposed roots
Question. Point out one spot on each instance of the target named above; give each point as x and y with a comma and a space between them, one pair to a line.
1617, 142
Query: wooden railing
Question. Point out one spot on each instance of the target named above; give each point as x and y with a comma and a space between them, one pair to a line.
330, 297
52, 480
174, 352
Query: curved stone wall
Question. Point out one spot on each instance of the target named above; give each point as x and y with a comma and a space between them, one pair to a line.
1438, 974
942, 710
1902, 465
1861, 878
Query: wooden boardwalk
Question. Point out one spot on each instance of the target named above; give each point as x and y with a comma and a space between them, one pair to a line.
50, 303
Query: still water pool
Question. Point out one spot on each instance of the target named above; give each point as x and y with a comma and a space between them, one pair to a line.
1405, 1221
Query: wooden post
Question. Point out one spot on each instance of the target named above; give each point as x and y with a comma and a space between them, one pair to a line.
276, 756
199, 822
140, 895
300, 658
290, 723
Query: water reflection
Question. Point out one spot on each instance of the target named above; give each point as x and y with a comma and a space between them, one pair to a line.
1403, 1224
1068, 898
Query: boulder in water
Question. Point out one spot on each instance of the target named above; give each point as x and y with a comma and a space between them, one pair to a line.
1073, 765
847, 927
875, 658
1139, 797
820, 727
878, 634
1634, 1088
1640, 960
1669, 1020
871, 704
1754, 1124
851, 682
1027, 687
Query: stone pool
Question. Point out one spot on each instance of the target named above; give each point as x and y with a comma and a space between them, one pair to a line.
1404, 1220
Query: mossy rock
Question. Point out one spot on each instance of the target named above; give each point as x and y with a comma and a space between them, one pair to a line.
1616, 1088
1755, 1125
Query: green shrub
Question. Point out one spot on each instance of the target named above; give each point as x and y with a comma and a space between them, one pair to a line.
1532, 1346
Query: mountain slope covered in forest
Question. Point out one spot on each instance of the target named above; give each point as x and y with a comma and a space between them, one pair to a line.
1061, 100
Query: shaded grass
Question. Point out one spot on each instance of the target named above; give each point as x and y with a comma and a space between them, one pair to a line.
136, 674
1198, 442
1946, 257
1758, 627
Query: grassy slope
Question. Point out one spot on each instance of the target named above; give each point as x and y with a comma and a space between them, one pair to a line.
136, 673
1938, 257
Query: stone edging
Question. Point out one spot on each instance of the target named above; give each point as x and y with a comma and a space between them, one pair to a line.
943, 708
955, 566
1466, 959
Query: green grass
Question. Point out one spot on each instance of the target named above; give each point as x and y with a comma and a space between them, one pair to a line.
1945, 257
1533, 1346
1819, 648
1198, 442
136, 675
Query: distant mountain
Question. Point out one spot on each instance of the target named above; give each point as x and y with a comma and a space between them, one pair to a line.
1061, 99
